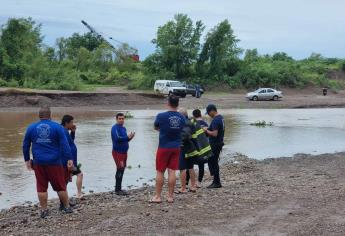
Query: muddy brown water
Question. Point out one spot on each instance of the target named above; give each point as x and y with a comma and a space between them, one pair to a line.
294, 131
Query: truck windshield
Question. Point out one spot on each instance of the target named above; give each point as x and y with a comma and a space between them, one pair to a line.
176, 84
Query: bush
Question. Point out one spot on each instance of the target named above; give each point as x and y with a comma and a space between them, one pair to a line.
3, 83
12, 83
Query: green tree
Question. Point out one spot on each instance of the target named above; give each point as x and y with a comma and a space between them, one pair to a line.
21, 45
219, 49
178, 44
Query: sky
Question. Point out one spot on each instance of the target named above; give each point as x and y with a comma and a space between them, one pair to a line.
297, 27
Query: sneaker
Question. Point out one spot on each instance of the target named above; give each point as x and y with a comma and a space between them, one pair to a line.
44, 213
214, 185
67, 210
121, 193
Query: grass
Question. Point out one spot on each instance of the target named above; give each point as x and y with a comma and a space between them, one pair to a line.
262, 123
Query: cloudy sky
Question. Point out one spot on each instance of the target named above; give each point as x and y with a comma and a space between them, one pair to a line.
298, 27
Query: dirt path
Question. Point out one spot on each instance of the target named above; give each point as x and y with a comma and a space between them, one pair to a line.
118, 98
304, 195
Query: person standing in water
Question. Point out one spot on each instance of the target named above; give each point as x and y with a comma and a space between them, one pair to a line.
120, 148
70, 129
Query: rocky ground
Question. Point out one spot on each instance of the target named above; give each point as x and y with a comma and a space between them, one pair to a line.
116, 98
303, 195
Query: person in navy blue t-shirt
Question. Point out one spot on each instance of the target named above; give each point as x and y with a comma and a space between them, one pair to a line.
216, 137
49, 145
120, 148
170, 125
70, 129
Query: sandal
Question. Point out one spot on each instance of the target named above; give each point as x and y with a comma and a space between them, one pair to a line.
180, 192
155, 201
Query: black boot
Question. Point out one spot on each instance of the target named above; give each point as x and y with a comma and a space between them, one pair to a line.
118, 189
117, 181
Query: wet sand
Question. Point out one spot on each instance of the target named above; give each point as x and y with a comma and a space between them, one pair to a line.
303, 195
129, 100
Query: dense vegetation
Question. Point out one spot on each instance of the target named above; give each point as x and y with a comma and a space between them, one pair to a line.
181, 53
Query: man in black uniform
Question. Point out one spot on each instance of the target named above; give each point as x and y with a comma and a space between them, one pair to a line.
216, 136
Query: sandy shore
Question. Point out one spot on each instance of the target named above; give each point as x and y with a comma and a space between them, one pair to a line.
130, 100
303, 195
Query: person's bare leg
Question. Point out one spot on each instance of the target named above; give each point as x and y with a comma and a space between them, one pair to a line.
63, 196
192, 179
171, 184
43, 199
159, 186
79, 184
183, 174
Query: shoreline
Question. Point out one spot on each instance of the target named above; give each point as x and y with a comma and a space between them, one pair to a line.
12, 99
296, 195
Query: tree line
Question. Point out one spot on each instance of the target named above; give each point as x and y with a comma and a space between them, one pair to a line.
183, 51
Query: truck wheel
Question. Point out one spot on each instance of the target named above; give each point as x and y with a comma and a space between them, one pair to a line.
255, 98
275, 98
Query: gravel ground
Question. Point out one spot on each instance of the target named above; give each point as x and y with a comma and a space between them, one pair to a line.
302, 195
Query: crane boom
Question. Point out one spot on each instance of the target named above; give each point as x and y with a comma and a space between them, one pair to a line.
133, 51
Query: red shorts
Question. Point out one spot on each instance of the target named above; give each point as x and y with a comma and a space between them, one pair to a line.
68, 175
120, 160
53, 174
167, 158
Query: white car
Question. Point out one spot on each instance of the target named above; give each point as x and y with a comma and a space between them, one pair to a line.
170, 87
265, 94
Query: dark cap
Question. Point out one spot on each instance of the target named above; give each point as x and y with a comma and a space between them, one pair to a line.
211, 107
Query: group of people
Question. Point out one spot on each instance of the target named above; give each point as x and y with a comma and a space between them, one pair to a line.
183, 142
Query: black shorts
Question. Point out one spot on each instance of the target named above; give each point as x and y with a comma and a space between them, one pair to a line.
76, 171
186, 164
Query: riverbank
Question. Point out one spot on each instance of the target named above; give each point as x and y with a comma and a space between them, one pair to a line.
303, 195
116, 98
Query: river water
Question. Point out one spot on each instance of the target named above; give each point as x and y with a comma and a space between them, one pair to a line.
312, 131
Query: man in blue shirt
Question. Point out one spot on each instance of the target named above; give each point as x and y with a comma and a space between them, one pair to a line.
216, 136
170, 125
70, 129
49, 144
120, 148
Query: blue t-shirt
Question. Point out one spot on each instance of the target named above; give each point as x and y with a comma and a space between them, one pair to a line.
217, 124
120, 138
48, 141
170, 125
70, 139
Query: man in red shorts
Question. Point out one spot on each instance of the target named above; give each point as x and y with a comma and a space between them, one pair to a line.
49, 144
120, 148
169, 124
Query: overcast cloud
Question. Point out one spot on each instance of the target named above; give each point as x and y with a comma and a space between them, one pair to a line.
298, 27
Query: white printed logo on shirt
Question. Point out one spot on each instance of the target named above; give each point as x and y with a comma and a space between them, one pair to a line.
43, 132
175, 122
